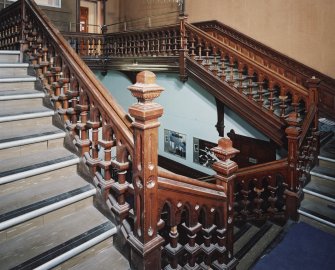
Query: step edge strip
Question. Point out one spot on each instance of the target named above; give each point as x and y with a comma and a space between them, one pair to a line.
18, 79
77, 250
32, 140
26, 116
302, 212
46, 209
319, 195
322, 176
10, 52
13, 65
59, 165
22, 96
326, 159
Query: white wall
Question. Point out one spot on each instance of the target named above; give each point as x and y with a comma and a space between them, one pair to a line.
188, 109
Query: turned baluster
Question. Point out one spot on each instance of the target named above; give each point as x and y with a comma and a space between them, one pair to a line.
271, 98
240, 77
152, 44
207, 62
192, 47
39, 56
223, 66
120, 187
225, 170
169, 44
272, 209
231, 65
199, 58
175, 43
173, 249
83, 142
260, 90
258, 201
192, 248
283, 105
250, 83
215, 62
245, 191
44, 63
208, 247
64, 82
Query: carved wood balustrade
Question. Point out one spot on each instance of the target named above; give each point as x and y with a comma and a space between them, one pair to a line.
278, 62
10, 27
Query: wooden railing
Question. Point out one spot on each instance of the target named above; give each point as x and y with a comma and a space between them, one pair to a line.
121, 153
278, 62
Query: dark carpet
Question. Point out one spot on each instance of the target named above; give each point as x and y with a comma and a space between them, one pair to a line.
303, 247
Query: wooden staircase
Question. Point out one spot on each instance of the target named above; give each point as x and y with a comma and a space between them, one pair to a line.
47, 208
318, 205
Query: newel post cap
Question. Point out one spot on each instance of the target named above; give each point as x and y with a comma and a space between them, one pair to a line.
145, 89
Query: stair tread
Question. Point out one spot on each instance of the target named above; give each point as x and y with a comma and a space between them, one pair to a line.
19, 133
33, 160
10, 52
241, 242
9, 64
324, 188
107, 257
35, 190
318, 210
18, 92
328, 150
32, 243
323, 171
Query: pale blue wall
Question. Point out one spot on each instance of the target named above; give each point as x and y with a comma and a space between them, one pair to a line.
188, 109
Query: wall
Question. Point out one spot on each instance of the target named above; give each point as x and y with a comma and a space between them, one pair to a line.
188, 109
148, 13
301, 29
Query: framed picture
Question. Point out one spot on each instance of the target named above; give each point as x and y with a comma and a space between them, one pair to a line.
175, 143
202, 153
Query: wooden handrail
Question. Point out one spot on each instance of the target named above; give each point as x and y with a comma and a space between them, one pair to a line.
200, 185
262, 168
219, 44
85, 75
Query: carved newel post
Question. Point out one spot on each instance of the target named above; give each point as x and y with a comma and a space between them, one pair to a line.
293, 132
144, 240
225, 170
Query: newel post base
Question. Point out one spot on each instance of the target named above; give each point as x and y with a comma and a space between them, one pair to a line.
225, 170
144, 239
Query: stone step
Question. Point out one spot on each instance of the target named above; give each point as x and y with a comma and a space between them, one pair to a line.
323, 173
327, 155
266, 235
318, 212
22, 113
62, 238
21, 98
16, 141
13, 69
104, 253
9, 56
321, 191
36, 163
22, 82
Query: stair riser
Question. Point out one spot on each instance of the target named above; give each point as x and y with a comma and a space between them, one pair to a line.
17, 85
29, 123
327, 164
13, 71
27, 103
22, 150
43, 220
319, 200
9, 58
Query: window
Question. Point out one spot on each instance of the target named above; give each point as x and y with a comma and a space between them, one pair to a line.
48, 3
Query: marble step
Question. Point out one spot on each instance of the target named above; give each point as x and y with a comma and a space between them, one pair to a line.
13, 69
19, 82
9, 56
327, 155
59, 240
